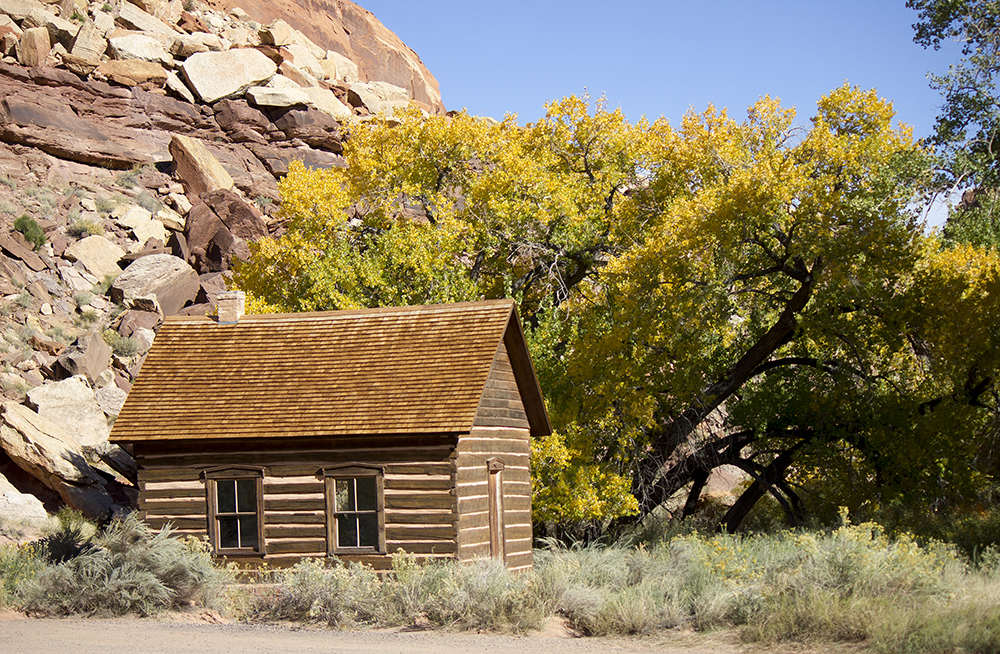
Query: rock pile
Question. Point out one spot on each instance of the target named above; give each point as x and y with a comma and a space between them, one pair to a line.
140, 144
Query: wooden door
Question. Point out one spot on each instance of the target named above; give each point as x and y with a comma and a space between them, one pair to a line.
497, 538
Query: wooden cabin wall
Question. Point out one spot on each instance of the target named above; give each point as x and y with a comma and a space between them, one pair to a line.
500, 431
420, 507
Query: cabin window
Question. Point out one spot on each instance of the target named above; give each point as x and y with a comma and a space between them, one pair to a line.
355, 511
235, 511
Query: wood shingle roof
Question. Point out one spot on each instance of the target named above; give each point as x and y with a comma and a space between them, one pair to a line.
416, 369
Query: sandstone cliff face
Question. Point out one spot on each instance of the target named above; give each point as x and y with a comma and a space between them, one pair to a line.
140, 147
344, 27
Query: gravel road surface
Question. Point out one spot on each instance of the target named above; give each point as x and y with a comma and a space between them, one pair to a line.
20, 635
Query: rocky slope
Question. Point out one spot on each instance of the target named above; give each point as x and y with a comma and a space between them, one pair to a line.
140, 145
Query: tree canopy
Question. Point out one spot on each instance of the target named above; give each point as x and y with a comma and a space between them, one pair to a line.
751, 292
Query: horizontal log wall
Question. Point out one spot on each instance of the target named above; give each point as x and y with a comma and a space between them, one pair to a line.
501, 432
420, 505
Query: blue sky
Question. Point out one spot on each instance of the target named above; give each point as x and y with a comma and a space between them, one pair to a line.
661, 58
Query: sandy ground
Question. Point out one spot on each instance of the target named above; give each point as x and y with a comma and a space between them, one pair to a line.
207, 634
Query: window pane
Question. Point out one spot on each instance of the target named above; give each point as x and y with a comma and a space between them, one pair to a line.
366, 493
229, 532
347, 531
248, 531
345, 495
368, 529
246, 496
226, 491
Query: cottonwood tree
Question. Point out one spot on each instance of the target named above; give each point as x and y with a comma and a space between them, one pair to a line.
724, 292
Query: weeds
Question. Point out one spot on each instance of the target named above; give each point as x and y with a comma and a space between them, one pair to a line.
83, 298
30, 229
24, 300
8, 182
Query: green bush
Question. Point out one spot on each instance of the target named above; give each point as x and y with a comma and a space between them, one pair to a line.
30, 230
126, 568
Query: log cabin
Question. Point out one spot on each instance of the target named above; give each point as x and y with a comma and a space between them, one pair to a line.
351, 434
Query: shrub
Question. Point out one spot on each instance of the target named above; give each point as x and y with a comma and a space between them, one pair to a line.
123, 346
126, 568
86, 318
18, 564
105, 205
24, 300
83, 298
128, 178
148, 202
479, 595
30, 229
84, 225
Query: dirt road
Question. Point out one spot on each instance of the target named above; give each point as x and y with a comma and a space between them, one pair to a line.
19, 635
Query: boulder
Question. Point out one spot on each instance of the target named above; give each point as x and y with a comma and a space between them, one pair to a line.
98, 255
277, 33
217, 75
303, 59
327, 102
139, 46
317, 128
88, 356
18, 507
33, 47
171, 280
240, 217
378, 97
89, 43
296, 75
197, 168
177, 86
339, 68
19, 9
77, 279
132, 72
110, 399
60, 30
134, 319
71, 403
142, 224
264, 96
43, 449
135, 18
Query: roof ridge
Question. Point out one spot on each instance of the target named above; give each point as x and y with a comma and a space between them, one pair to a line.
454, 307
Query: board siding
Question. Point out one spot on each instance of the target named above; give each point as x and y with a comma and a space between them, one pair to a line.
500, 432
420, 514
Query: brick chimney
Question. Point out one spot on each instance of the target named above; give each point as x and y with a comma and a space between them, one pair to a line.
231, 305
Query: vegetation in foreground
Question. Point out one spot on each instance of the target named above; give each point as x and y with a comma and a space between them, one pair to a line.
850, 584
